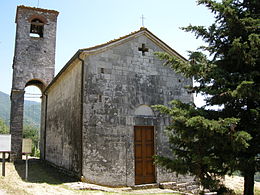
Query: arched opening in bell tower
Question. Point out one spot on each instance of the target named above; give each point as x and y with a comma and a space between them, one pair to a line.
32, 113
37, 27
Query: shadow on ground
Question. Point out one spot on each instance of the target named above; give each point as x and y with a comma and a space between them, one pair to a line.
41, 172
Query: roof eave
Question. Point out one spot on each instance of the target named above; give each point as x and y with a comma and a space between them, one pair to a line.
145, 31
99, 48
74, 57
35, 9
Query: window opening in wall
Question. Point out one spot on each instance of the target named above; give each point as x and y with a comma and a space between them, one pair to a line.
143, 49
36, 29
99, 98
102, 70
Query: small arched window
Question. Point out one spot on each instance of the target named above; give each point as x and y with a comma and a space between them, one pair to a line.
36, 29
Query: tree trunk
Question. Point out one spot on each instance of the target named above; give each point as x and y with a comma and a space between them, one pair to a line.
249, 182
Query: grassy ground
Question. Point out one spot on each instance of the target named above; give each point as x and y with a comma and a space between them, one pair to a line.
42, 179
237, 183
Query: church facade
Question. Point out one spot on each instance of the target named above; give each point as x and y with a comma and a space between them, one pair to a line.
97, 119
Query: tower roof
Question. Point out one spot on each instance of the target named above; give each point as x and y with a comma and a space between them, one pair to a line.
37, 9
56, 13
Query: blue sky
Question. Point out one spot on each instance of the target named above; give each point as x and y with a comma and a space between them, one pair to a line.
85, 23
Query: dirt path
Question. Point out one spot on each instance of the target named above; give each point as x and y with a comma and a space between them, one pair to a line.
44, 180
13, 184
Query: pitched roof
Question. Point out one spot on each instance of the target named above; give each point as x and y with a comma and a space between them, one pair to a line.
142, 30
112, 43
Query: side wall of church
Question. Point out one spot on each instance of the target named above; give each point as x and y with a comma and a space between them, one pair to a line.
63, 120
117, 82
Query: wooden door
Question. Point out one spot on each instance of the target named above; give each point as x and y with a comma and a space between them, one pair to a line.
144, 151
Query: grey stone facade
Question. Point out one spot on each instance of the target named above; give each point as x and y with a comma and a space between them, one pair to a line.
33, 64
112, 93
130, 80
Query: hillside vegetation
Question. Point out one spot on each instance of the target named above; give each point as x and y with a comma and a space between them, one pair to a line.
32, 111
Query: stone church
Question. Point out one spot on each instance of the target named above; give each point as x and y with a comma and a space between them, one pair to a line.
97, 120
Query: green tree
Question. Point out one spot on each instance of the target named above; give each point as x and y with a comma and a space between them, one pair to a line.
209, 143
32, 132
4, 129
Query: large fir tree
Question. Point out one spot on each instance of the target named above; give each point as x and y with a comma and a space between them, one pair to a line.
208, 143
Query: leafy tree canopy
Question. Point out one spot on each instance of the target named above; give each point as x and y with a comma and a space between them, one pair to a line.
31, 132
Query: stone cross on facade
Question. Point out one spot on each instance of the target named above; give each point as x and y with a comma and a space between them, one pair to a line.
143, 49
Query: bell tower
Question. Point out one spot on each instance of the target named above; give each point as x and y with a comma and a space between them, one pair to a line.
33, 63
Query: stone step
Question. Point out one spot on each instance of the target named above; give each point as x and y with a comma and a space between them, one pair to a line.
187, 187
181, 185
192, 187
145, 186
167, 185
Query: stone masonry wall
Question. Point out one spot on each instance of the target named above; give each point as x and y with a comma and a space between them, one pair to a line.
63, 120
34, 57
33, 64
117, 82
